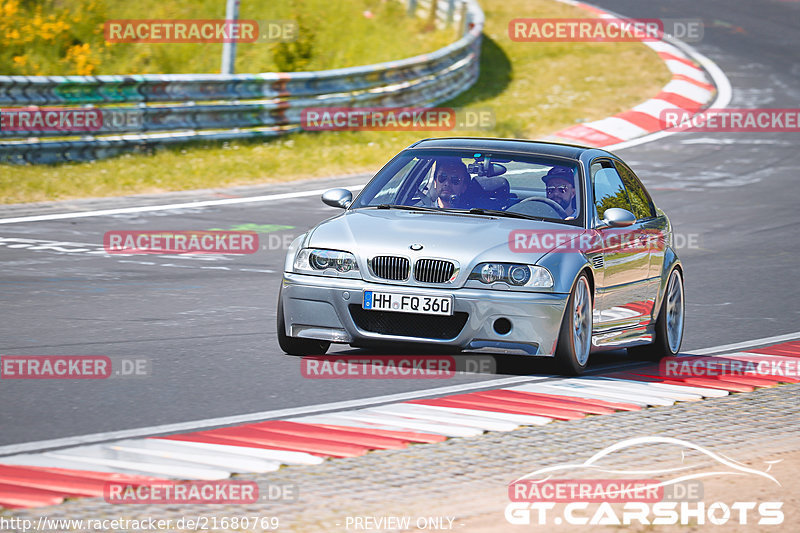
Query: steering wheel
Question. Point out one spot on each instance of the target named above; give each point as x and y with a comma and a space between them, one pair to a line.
557, 208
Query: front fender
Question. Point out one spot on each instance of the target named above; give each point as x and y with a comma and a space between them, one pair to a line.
565, 267
671, 261
298, 243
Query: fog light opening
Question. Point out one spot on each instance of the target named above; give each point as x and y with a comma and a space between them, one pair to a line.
502, 326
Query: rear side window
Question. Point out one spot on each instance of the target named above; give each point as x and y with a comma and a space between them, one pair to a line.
609, 190
640, 201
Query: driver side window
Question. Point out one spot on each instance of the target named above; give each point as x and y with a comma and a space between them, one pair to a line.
609, 190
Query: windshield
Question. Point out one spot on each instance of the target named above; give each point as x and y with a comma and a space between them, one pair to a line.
528, 186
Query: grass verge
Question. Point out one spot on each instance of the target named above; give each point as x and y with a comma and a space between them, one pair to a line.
533, 89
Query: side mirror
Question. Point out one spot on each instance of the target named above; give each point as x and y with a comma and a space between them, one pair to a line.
341, 198
618, 218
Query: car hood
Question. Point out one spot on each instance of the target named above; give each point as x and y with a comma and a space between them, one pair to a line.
467, 239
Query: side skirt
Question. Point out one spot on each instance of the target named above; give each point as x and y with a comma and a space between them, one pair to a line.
623, 338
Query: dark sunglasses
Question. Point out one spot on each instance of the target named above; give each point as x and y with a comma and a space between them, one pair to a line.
559, 188
455, 180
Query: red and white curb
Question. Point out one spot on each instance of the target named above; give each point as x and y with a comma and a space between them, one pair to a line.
42, 479
689, 91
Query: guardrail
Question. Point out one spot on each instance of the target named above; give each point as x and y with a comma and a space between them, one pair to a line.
139, 112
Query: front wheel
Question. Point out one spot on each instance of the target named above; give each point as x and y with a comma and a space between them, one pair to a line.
669, 325
575, 337
294, 345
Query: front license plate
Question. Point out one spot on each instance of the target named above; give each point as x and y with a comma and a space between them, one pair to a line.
407, 303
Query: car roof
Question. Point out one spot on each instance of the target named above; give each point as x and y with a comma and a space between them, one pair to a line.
507, 145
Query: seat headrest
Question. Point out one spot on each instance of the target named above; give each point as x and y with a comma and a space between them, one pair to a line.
494, 186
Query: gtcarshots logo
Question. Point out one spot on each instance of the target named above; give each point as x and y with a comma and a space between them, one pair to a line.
180, 242
542, 497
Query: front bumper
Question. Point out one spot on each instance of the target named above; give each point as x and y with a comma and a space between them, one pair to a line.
318, 307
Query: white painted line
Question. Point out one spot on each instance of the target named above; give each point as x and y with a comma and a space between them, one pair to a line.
679, 67
425, 413
166, 207
617, 127
646, 388
620, 390
654, 107
166, 450
334, 420
281, 456
579, 393
146, 469
45, 461
252, 417
448, 430
746, 344
661, 46
522, 420
752, 356
688, 90
702, 391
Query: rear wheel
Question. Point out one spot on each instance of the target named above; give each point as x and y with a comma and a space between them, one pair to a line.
294, 345
669, 325
575, 337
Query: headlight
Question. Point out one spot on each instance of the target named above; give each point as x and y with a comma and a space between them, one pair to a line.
326, 262
514, 274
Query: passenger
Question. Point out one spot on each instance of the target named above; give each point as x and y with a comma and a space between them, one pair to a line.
560, 186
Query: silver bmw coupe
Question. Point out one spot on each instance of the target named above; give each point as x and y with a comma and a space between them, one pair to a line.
507, 246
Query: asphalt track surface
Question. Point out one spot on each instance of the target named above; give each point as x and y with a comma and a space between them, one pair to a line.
207, 328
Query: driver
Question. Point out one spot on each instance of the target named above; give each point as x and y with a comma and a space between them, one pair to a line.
450, 183
560, 187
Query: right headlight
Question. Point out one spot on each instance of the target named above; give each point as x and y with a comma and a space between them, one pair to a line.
326, 263
516, 275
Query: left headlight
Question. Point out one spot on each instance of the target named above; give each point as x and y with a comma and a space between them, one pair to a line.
326, 263
516, 275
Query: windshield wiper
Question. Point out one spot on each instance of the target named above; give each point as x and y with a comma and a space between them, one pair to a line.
509, 214
405, 207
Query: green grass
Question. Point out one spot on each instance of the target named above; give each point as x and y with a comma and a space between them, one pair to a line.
340, 33
534, 89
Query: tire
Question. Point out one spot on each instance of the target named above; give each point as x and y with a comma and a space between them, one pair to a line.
669, 325
575, 337
294, 345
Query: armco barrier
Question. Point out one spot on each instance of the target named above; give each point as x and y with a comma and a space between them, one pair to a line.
144, 111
